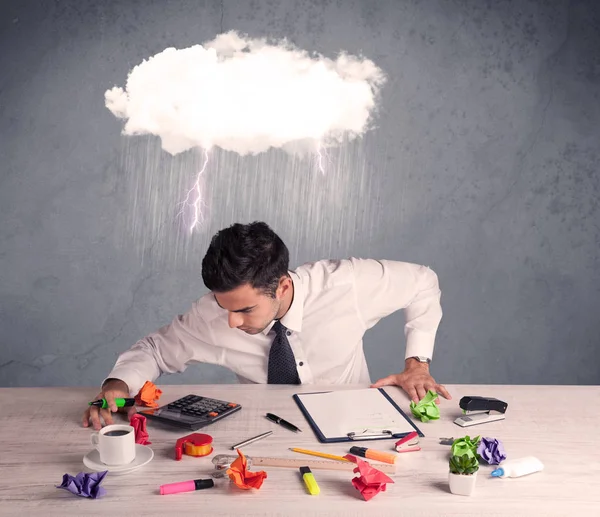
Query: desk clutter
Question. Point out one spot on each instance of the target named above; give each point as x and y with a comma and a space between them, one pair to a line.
120, 449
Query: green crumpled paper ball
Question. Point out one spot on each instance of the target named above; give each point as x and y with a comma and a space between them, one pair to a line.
465, 445
426, 409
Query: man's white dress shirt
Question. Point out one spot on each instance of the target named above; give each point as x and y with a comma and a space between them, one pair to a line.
335, 302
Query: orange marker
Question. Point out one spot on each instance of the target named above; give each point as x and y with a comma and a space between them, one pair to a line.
372, 454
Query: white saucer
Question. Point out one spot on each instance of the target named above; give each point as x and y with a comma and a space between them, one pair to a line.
143, 455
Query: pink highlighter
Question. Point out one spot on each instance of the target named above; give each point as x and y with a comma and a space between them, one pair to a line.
186, 486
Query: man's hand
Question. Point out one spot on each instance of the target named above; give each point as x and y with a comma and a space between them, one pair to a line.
415, 380
112, 389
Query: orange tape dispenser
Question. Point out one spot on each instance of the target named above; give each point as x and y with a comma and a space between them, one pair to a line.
195, 444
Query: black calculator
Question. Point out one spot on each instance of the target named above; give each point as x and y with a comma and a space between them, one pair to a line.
192, 412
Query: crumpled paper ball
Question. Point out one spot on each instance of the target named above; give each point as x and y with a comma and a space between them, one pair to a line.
426, 409
84, 485
148, 395
491, 450
242, 477
370, 481
465, 445
138, 422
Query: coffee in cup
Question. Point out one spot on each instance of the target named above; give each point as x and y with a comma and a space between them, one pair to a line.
116, 433
116, 444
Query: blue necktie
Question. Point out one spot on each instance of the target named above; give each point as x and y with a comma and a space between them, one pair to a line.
282, 364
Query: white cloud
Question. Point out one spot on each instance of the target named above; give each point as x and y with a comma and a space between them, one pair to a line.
247, 95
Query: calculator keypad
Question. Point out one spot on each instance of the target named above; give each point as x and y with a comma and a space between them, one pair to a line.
193, 411
196, 406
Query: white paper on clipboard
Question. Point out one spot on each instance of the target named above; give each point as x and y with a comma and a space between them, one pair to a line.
362, 411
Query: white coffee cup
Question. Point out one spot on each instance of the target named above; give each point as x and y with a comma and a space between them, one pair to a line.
116, 444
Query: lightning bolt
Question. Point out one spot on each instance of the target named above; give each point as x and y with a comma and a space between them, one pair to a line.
194, 197
320, 161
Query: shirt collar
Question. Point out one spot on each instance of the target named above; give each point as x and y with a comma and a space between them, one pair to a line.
293, 317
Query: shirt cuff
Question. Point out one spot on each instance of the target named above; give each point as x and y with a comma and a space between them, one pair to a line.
419, 343
133, 380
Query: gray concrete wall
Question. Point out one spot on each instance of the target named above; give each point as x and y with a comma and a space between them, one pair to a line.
483, 165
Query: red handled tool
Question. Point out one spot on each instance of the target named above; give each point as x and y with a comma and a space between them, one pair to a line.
195, 444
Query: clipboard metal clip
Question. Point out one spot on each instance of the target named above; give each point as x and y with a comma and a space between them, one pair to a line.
369, 434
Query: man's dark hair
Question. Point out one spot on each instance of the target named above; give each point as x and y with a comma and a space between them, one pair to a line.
245, 254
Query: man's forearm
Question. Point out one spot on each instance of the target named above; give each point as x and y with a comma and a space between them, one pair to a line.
135, 366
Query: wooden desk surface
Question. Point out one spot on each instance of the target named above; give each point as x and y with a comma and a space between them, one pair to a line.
41, 438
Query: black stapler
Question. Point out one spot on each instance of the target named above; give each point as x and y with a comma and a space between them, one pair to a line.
480, 410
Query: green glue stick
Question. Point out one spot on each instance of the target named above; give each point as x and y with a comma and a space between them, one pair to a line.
120, 402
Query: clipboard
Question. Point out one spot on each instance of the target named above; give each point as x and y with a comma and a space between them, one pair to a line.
353, 415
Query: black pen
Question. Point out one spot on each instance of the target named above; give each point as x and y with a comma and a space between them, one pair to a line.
282, 422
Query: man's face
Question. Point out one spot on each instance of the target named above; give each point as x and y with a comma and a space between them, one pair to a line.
250, 310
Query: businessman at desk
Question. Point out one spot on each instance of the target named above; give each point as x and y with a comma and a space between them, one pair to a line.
271, 325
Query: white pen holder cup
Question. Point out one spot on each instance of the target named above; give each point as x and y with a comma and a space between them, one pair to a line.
116, 444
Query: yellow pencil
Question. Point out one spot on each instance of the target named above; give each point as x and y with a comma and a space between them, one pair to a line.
320, 454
